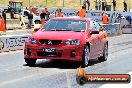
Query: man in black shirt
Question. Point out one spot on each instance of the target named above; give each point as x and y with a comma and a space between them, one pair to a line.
103, 5
12, 14
42, 15
114, 5
30, 19
125, 6
88, 4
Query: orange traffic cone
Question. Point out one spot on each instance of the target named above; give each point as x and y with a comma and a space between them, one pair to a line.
2, 25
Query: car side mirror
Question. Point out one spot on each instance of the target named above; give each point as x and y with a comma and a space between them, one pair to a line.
94, 32
36, 29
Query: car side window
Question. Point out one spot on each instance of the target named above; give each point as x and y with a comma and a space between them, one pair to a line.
94, 26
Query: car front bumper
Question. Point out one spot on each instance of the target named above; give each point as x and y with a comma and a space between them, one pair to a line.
66, 52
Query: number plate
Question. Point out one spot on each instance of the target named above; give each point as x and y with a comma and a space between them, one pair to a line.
49, 49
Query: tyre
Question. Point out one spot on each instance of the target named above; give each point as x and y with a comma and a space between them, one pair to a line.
30, 61
85, 57
105, 54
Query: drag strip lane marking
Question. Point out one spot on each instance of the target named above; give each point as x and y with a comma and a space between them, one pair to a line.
10, 52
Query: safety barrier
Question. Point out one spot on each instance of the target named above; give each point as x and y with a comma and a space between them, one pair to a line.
112, 29
13, 24
12, 43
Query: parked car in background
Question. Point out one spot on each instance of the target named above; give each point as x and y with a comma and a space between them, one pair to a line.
24, 18
67, 38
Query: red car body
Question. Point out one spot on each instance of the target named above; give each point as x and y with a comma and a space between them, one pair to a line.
95, 40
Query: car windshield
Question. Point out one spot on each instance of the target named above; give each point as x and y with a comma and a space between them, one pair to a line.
65, 25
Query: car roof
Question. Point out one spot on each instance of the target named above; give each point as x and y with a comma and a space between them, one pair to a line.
71, 18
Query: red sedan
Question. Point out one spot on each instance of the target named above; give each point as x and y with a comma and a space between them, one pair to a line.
69, 38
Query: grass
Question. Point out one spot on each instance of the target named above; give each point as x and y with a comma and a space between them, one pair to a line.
67, 3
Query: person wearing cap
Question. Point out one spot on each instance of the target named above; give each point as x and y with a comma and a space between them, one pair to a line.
82, 12
105, 18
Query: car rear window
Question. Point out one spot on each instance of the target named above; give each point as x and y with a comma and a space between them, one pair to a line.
66, 25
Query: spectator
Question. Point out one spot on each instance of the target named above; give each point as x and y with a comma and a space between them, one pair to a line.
88, 3
42, 15
12, 14
82, 12
96, 5
105, 18
46, 14
114, 5
4, 16
99, 2
30, 19
125, 6
104, 4
84, 3
59, 13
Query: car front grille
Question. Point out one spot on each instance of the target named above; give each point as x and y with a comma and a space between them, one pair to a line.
50, 42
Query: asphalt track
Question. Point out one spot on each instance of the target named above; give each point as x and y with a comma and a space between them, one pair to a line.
48, 74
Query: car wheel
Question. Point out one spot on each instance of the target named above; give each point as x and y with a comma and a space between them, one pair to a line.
85, 57
30, 61
105, 54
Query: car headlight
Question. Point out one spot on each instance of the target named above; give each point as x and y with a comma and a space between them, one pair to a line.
72, 42
32, 40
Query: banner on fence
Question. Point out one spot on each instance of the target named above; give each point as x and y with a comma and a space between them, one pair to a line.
12, 43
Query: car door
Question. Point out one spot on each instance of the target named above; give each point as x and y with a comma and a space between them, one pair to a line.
99, 38
94, 40
101, 45
102, 36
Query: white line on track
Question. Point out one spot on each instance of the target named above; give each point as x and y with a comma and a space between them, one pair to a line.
10, 52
